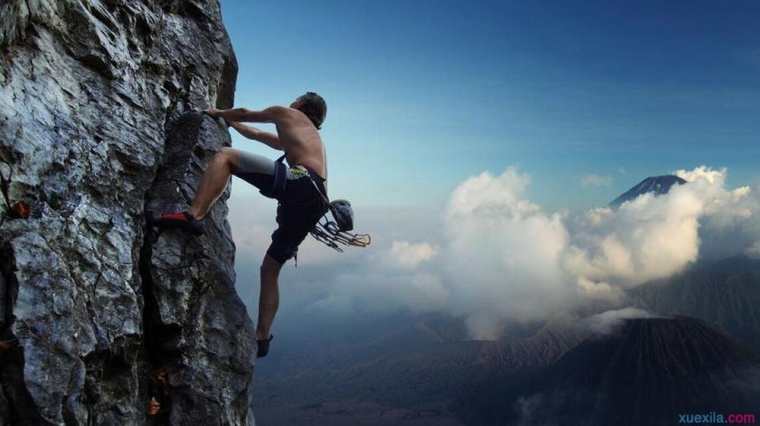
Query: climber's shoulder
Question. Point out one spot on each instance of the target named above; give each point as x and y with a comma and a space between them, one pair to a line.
280, 115
284, 113
278, 111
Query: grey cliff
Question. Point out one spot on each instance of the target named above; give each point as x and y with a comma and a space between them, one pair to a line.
100, 313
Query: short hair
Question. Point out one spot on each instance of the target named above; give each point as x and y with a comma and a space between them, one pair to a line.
314, 107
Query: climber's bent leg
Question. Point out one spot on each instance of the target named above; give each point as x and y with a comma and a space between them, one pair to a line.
214, 181
269, 301
211, 186
257, 170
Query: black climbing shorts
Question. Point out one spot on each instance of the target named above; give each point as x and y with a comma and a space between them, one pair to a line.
299, 204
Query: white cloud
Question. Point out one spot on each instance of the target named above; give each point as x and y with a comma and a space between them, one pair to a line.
649, 237
754, 250
702, 173
376, 285
502, 254
596, 181
494, 256
507, 259
410, 255
599, 290
608, 321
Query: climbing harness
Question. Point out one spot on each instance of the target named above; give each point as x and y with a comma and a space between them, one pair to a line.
336, 231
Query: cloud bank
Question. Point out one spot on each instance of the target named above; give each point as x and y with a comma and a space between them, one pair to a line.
498, 257
608, 321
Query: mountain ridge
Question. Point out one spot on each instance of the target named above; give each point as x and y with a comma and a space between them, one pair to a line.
646, 371
657, 185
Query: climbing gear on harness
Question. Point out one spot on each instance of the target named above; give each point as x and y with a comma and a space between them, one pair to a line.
343, 214
332, 232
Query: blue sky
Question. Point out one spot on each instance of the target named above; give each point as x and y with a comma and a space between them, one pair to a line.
423, 94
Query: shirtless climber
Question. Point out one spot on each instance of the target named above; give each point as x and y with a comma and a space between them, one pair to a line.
299, 204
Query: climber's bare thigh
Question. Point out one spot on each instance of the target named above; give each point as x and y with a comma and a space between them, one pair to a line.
232, 156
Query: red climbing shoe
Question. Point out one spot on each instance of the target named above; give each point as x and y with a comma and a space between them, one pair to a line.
183, 220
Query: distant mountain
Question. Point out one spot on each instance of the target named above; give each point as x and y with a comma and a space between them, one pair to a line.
656, 184
652, 370
725, 294
647, 372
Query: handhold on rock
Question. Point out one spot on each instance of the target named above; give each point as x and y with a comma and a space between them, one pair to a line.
224, 120
6, 345
20, 210
161, 376
153, 407
17, 210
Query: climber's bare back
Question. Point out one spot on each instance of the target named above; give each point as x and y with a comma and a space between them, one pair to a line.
300, 140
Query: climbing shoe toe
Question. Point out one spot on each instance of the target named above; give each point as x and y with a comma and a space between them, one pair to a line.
183, 220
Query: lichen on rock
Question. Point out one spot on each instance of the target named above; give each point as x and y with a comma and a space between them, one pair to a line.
99, 122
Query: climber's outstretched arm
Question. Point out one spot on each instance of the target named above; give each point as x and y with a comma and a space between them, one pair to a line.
251, 132
269, 115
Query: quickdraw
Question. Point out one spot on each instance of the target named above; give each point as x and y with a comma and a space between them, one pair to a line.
328, 233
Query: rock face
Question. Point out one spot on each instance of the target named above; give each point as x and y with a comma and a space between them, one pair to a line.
98, 313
